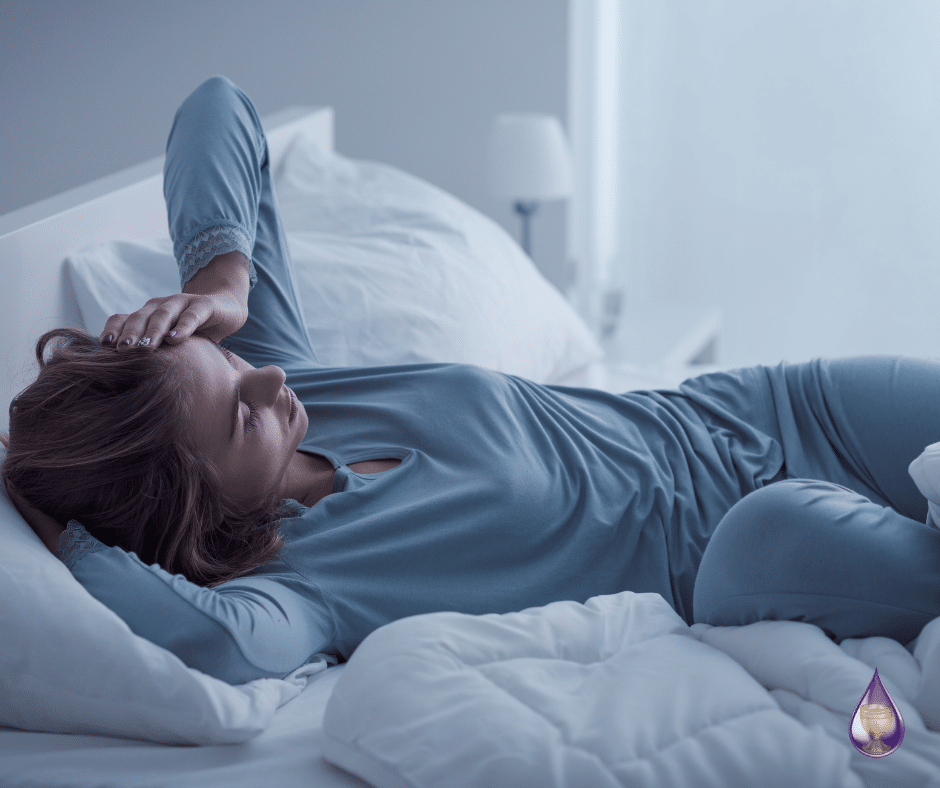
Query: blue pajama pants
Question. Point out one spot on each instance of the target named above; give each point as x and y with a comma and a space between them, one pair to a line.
841, 541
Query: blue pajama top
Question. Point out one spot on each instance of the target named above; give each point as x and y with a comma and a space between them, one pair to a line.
509, 495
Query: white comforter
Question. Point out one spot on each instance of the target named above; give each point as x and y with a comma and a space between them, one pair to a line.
619, 691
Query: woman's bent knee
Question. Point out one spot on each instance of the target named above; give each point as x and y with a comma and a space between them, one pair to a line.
760, 546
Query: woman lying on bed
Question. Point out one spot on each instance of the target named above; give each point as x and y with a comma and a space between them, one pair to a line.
252, 525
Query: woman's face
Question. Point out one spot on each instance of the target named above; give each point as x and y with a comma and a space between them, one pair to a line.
245, 420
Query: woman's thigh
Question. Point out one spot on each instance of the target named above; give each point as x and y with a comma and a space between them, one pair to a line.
859, 422
813, 551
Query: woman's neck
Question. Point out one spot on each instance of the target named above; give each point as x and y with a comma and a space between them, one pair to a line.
309, 478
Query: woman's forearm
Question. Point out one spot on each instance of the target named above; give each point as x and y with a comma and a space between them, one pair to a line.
245, 629
226, 273
225, 280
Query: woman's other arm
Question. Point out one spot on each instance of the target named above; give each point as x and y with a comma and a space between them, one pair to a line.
260, 626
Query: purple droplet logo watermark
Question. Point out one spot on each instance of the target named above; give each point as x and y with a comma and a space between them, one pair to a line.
877, 728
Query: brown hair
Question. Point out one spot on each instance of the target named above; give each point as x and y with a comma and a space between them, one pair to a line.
100, 437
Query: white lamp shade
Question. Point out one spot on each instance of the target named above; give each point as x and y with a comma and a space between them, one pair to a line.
529, 158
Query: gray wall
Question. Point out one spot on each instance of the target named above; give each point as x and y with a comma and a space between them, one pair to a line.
89, 88
781, 160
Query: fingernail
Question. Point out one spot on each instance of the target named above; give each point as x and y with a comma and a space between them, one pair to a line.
172, 334
127, 341
144, 342
109, 338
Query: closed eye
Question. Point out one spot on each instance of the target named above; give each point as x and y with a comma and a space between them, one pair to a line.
253, 417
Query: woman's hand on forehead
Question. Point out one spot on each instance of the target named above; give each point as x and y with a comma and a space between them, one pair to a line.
214, 303
174, 319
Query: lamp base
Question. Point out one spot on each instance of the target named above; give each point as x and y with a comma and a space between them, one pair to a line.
525, 209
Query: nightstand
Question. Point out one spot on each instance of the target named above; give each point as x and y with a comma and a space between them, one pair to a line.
670, 335
654, 349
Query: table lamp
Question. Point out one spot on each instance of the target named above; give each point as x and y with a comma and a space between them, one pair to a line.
529, 161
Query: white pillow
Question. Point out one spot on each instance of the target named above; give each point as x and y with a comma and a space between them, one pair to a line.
405, 272
390, 270
70, 665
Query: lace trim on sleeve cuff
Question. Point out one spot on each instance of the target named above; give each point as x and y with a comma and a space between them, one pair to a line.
210, 242
75, 543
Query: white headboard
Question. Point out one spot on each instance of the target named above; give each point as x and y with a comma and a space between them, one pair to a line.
35, 294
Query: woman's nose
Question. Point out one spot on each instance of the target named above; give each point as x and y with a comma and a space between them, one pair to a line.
264, 384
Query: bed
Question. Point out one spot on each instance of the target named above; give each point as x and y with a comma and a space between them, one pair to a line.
616, 691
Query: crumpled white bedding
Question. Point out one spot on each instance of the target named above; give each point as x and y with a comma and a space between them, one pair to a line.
620, 691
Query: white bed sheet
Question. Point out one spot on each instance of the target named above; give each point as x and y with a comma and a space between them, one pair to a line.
286, 755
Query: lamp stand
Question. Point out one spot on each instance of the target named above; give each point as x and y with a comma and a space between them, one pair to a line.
525, 209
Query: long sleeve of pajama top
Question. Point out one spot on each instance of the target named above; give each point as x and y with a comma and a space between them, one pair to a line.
509, 494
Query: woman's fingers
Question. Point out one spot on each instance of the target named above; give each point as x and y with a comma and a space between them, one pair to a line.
152, 325
125, 330
112, 329
147, 325
173, 319
155, 322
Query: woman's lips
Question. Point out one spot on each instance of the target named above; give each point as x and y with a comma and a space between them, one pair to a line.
293, 407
